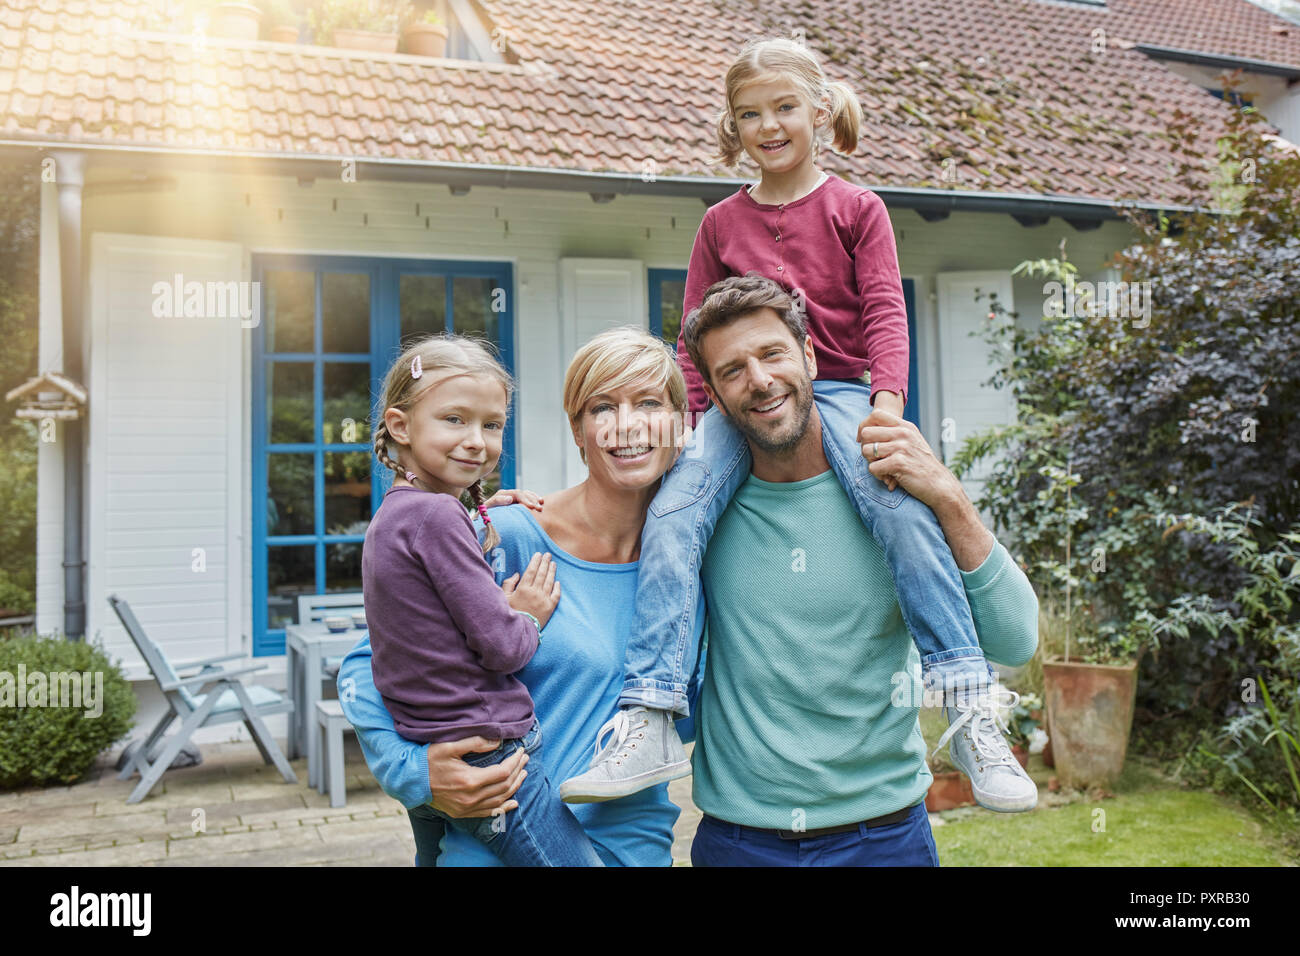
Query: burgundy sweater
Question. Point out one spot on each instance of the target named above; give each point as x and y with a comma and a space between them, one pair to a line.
445, 639
837, 245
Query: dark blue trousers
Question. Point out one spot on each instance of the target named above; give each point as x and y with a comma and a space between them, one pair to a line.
907, 843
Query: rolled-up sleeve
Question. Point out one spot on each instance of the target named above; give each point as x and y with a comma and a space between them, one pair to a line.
1005, 608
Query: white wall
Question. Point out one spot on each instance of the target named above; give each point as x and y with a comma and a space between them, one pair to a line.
1279, 104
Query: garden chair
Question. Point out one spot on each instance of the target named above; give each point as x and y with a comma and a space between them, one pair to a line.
226, 700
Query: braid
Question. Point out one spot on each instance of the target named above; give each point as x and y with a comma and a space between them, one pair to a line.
492, 538
381, 447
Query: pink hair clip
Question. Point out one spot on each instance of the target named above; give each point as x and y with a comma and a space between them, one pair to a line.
411, 476
482, 510
417, 367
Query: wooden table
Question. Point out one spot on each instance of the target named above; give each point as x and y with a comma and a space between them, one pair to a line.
306, 646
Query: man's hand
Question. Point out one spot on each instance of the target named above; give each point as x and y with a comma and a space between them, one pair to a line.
462, 790
898, 455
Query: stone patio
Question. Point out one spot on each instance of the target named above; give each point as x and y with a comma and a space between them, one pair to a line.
249, 817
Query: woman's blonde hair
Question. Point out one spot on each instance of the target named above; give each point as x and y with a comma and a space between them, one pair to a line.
615, 359
440, 357
761, 59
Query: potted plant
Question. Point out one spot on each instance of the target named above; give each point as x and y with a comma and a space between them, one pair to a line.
235, 21
1089, 668
358, 24
424, 35
1024, 727
282, 20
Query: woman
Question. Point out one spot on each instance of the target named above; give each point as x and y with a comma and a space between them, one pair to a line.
625, 398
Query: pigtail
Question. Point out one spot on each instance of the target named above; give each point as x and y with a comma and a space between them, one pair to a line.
492, 538
381, 447
846, 118
729, 148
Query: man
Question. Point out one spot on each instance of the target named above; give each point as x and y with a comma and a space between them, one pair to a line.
806, 754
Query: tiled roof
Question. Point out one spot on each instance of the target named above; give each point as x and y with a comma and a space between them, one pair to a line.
1232, 28
1011, 93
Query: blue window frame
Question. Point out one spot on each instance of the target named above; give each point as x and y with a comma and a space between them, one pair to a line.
912, 410
667, 290
330, 327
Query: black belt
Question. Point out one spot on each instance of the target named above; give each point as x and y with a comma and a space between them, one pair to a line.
889, 819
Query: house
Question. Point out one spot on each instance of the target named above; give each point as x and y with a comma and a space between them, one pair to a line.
237, 234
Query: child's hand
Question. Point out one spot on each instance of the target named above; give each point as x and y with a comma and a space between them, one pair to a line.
535, 591
515, 496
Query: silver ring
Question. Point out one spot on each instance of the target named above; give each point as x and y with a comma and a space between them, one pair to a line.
875, 450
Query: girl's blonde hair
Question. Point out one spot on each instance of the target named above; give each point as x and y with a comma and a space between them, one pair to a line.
761, 59
441, 357
615, 359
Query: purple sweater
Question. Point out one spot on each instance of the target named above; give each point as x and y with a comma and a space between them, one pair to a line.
445, 639
837, 245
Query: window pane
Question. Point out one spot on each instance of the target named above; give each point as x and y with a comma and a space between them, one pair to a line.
343, 566
471, 303
345, 312
290, 571
289, 482
290, 310
671, 295
288, 401
347, 492
423, 305
346, 415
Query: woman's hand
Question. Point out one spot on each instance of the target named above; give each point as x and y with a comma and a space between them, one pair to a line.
515, 496
536, 591
462, 790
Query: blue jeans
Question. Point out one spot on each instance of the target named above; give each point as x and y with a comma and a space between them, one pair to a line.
907, 843
694, 494
541, 831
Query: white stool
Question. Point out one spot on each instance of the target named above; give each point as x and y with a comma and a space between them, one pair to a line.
330, 725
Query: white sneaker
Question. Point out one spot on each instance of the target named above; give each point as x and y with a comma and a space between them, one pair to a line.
979, 750
643, 750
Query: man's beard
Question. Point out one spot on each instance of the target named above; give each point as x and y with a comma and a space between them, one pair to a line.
782, 443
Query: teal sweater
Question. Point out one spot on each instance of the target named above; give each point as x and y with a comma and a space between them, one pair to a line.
808, 715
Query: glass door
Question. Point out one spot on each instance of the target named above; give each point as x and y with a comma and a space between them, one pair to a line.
331, 326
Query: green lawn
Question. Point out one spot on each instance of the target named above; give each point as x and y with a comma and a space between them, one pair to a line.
1149, 821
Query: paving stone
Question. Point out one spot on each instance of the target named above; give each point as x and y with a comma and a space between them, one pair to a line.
8, 835
235, 843
133, 855
93, 828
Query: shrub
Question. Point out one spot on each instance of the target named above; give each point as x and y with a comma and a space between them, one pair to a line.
65, 722
1186, 411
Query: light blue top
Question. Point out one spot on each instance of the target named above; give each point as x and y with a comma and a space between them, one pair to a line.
801, 719
575, 679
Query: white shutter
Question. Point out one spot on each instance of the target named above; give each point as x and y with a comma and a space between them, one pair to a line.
166, 451
967, 404
595, 295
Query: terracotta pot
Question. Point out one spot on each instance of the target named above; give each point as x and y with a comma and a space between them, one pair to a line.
235, 21
948, 791
1021, 755
1090, 714
366, 40
284, 34
425, 39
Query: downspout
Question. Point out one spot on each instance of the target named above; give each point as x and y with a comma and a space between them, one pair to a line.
69, 171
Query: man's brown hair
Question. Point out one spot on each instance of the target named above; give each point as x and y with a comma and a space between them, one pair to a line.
732, 298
